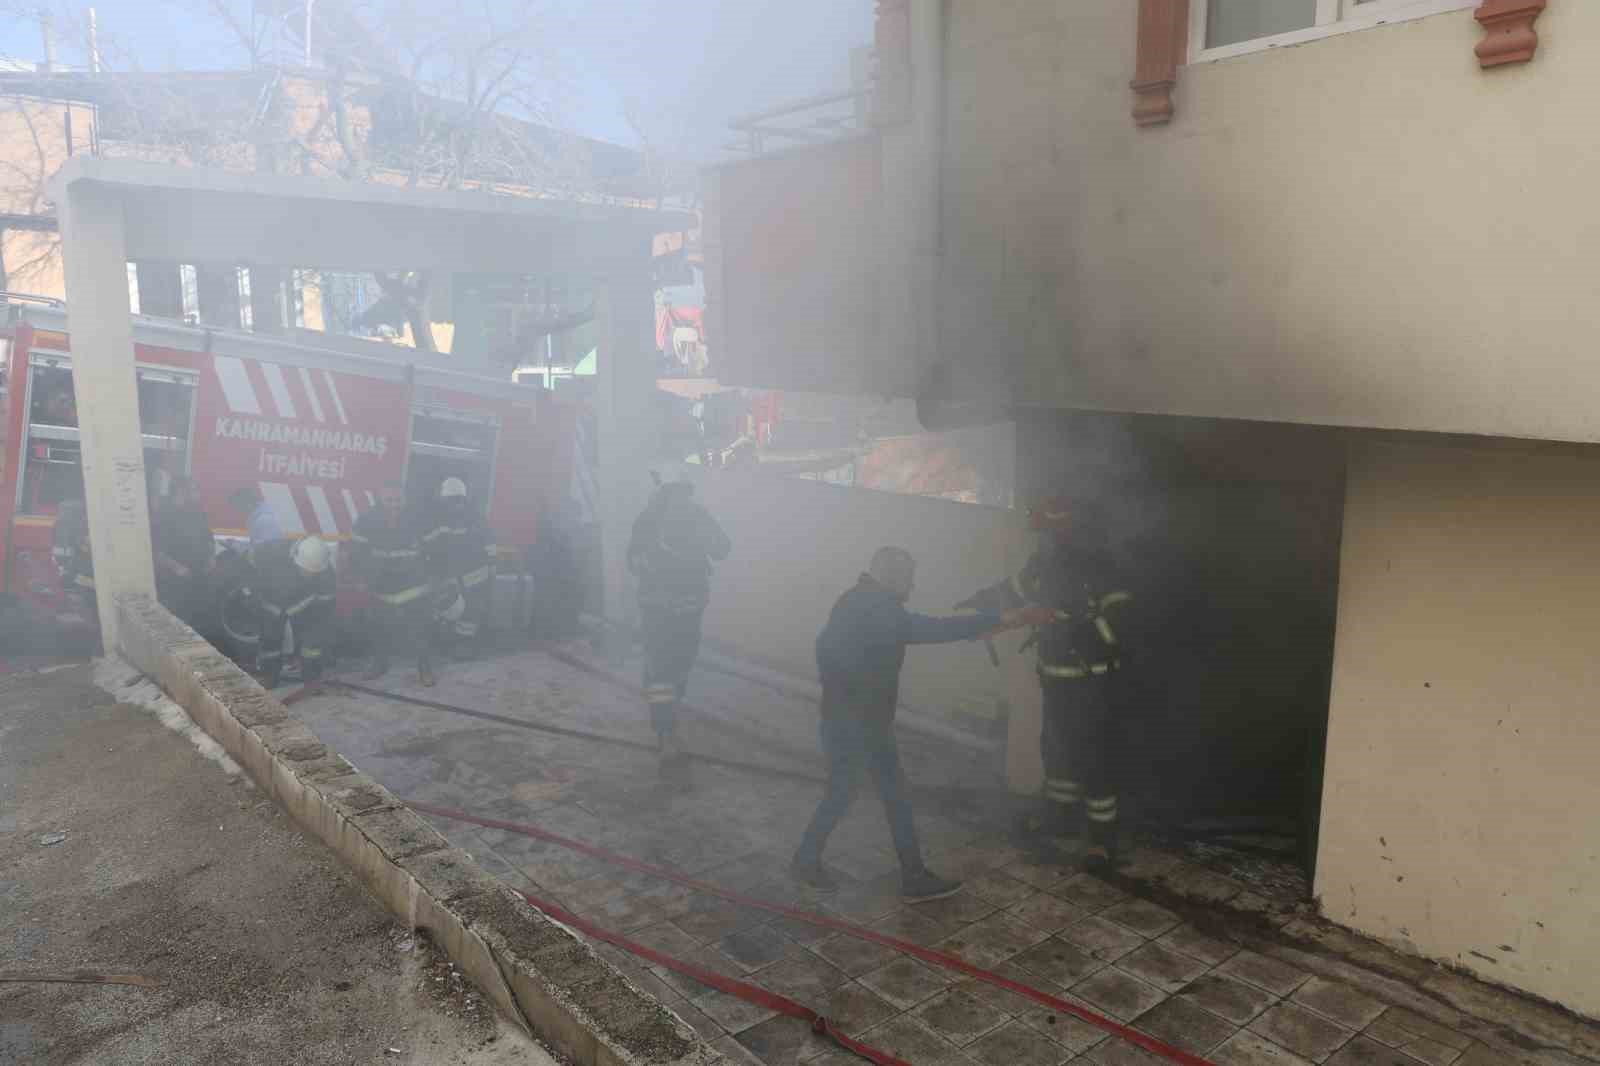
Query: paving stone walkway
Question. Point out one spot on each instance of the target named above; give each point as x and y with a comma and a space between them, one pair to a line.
1048, 926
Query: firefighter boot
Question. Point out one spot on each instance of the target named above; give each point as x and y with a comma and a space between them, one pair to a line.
1103, 834
425, 676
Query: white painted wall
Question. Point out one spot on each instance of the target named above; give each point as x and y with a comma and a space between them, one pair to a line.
1459, 815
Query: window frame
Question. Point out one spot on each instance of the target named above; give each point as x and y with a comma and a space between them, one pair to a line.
1333, 17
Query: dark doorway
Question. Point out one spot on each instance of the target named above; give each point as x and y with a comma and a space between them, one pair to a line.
1230, 532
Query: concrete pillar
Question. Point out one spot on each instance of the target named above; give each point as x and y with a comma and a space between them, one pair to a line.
108, 396
627, 416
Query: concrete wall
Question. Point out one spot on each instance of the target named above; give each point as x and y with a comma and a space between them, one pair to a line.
1367, 229
798, 545
1459, 811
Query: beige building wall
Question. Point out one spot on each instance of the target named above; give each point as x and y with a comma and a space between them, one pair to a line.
1363, 230
1461, 797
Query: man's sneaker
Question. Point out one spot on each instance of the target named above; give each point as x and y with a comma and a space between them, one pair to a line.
813, 876
925, 887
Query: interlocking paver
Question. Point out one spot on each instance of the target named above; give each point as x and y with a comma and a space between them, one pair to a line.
910, 1041
805, 977
1014, 1044
1363, 1051
1232, 1000
1249, 1049
853, 955
963, 908
1276, 977
1183, 1025
698, 1020
993, 940
1047, 912
736, 1052
731, 1012
958, 1017
1121, 995
1339, 1002
776, 1041
1162, 967
1040, 876
1058, 961
1102, 938
1090, 893
1196, 945
855, 1008
1145, 918
1399, 1025
1115, 1052
1308, 1035
1000, 889
905, 982
1479, 1055
906, 924
754, 948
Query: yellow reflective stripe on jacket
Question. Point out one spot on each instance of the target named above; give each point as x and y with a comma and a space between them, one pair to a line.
302, 605
475, 577
1073, 673
397, 598
1112, 599
1107, 634
83, 581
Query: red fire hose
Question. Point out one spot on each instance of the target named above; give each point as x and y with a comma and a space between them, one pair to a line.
762, 997
937, 958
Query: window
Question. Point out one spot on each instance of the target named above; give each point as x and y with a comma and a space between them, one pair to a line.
52, 470
448, 443
1222, 28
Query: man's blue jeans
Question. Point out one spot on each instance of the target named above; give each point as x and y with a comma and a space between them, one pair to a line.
853, 747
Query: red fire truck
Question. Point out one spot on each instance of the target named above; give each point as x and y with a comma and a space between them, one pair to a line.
316, 430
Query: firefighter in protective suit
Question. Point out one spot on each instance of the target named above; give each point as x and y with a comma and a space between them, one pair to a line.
1082, 656
294, 591
387, 545
673, 544
460, 554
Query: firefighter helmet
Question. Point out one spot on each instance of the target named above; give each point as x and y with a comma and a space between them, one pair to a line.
311, 555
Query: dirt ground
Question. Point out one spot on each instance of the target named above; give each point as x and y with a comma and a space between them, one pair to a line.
262, 948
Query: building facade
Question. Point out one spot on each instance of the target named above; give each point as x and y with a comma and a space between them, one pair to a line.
1303, 292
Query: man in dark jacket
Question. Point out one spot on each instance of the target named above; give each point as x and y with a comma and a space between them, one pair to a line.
673, 544
859, 655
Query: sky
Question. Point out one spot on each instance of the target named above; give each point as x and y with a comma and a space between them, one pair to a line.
687, 65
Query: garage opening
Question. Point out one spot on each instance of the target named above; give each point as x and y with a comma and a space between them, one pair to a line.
1230, 532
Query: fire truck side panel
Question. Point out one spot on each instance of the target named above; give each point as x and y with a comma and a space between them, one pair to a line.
318, 444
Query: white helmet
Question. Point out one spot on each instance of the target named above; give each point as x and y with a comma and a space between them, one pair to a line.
311, 555
452, 486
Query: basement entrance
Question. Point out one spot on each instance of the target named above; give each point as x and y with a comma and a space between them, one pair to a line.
1230, 534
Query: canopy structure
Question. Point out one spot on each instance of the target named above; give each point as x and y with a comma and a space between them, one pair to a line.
115, 211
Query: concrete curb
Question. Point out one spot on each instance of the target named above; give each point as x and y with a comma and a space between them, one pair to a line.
536, 971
